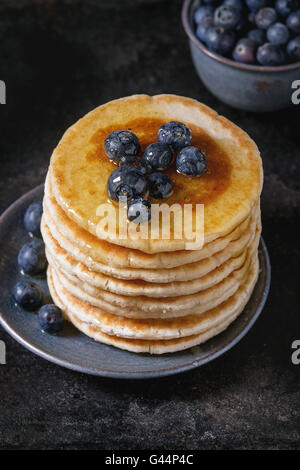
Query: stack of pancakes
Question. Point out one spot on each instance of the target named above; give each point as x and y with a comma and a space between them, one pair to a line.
153, 295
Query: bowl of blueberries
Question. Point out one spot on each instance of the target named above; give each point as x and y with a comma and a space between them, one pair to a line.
246, 52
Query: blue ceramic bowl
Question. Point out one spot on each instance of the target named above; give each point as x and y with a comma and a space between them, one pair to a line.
248, 87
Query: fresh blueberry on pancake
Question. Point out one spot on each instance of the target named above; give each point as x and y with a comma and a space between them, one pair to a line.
127, 181
32, 218
191, 161
32, 258
28, 295
160, 186
139, 211
175, 134
50, 318
120, 144
137, 162
159, 155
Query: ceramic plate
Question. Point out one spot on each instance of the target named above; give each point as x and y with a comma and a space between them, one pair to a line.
76, 351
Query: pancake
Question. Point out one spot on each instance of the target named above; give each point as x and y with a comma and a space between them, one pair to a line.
145, 307
153, 329
57, 255
121, 257
212, 323
186, 272
79, 168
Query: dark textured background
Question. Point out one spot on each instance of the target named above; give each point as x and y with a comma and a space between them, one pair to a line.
60, 59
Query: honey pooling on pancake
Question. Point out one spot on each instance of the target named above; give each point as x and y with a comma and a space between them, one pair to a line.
185, 190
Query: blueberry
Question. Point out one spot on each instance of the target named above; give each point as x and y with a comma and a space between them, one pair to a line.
285, 7
255, 5
210, 2
270, 55
203, 13
121, 143
28, 295
227, 17
160, 186
127, 181
278, 34
293, 49
202, 29
220, 40
238, 4
191, 161
50, 318
159, 155
257, 35
293, 22
175, 134
251, 17
32, 257
244, 51
265, 17
139, 211
142, 165
32, 218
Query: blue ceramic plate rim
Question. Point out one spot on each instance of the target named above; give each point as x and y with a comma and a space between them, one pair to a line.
187, 25
141, 374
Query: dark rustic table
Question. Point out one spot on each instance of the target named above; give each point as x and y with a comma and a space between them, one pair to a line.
60, 59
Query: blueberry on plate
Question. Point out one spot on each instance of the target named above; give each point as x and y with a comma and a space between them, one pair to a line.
265, 17
175, 134
139, 211
28, 295
220, 40
121, 143
191, 162
244, 51
227, 17
278, 33
257, 35
270, 55
203, 13
127, 181
32, 258
285, 7
293, 22
293, 49
32, 218
255, 5
50, 318
159, 155
160, 186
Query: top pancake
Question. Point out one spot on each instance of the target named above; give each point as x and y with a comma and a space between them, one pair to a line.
79, 168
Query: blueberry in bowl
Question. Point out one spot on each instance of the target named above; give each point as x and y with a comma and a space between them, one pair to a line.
254, 75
